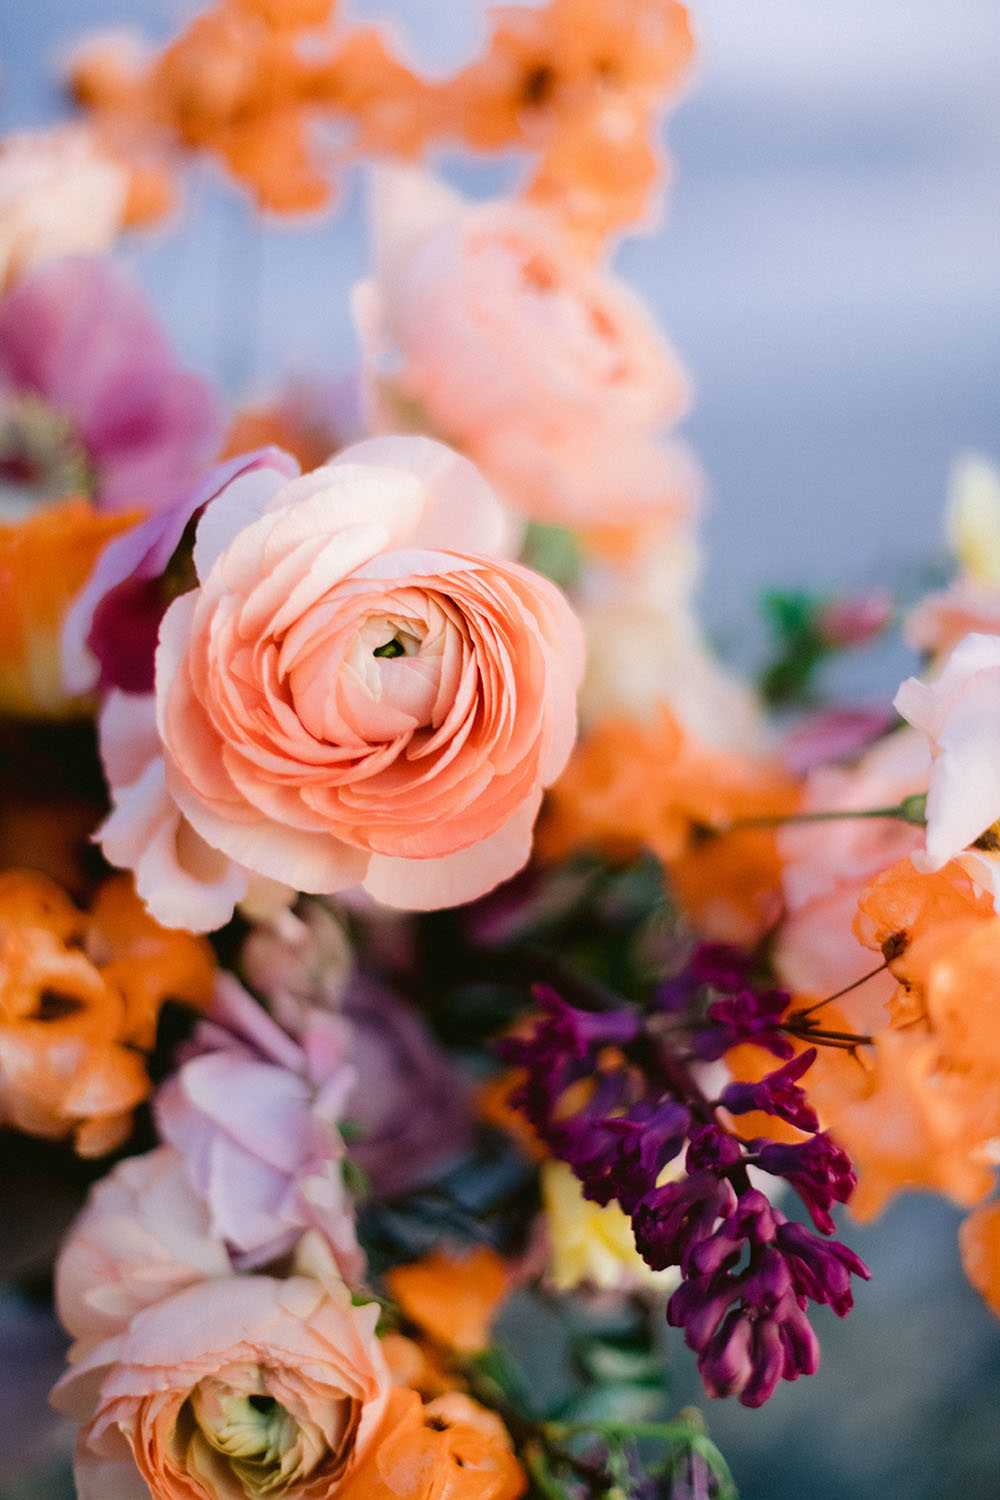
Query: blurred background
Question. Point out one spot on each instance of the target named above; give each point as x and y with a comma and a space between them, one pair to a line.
829, 267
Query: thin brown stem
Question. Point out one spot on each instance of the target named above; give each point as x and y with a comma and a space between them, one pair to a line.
800, 1015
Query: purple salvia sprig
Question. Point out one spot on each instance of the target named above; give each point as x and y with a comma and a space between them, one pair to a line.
749, 1274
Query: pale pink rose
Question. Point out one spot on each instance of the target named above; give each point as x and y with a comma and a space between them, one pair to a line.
60, 194
484, 325
254, 1113
959, 713
142, 1235
360, 692
826, 865
242, 1385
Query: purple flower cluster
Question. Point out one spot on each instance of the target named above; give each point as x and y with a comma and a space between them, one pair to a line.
618, 1095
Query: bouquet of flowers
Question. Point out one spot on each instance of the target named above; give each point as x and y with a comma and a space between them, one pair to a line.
427, 972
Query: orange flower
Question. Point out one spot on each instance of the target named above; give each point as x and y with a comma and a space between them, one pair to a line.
79, 997
578, 83
453, 1298
417, 1365
44, 563
582, 82
633, 785
941, 938
917, 1105
451, 1449
979, 1242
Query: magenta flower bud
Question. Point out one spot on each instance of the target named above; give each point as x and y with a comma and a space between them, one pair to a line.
672, 1219
818, 1170
776, 1094
821, 1270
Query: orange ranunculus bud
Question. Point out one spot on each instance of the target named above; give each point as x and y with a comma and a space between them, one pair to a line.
79, 996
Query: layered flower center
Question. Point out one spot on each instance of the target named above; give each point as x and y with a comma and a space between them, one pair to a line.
42, 456
379, 677
242, 1440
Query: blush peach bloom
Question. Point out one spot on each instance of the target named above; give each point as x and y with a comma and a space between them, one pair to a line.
60, 194
242, 1385
959, 714
360, 692
142, 1235
483, 325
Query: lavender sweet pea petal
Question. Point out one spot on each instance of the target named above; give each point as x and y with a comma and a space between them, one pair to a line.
109, 638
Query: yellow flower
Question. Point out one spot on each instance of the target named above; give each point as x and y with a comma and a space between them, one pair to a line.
972, 517
592, 1244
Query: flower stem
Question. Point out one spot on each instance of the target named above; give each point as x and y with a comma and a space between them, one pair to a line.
910, 810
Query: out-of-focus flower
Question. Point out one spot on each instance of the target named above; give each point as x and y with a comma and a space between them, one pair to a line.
483, 325
79, 998
409, 1108
972, 516
592, 1244
91, 397
854, 619
310, 418
234, 1385
646, 646
450, 1449
631, 786
971, 603
959, 712
409, 1103
935, 1061
302, 957
452, 1297
142, 1235
60, 194
583, 83
827, 865
359, 692
254, 1113
979, 1241
254, 82
45, 561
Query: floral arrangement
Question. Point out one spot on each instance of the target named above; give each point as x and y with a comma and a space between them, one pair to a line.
407, 923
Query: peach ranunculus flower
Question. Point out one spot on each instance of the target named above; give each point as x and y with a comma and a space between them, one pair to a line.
240, 1385
959, 712
359, 691
60, 194
483, 325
